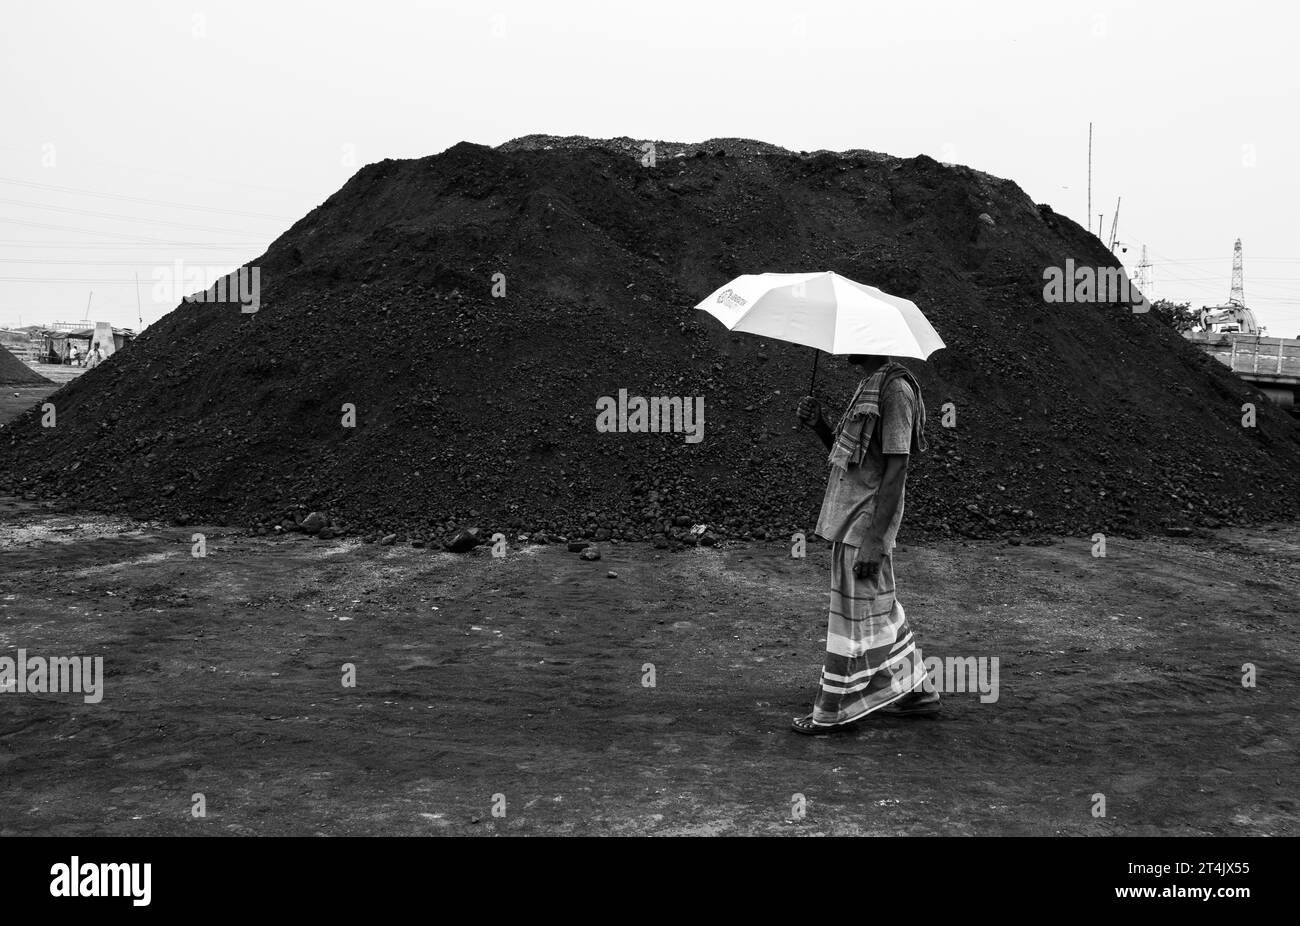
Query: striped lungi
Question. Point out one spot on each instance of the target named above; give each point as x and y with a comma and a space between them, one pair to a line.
871, 657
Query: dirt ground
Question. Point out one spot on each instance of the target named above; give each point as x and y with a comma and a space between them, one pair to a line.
523, 677
14, 400
58, 373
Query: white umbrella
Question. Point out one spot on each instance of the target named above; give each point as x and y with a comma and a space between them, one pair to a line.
824, 311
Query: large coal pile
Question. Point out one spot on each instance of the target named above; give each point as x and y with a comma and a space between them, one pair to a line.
478, 410
13, 372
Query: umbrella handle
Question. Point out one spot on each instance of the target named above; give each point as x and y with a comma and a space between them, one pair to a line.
816, 354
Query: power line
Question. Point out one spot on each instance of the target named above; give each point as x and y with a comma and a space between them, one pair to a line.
118, 217
139, 239
66, 280
128, 245
1225, 260
76, 260
1253, 280
139, 199
81, 263
171, 173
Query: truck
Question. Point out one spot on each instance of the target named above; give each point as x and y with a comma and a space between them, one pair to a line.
1270, 364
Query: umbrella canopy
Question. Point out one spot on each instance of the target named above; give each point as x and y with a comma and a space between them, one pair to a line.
825, 311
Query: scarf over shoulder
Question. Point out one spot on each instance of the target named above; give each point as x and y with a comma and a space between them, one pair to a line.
859, 420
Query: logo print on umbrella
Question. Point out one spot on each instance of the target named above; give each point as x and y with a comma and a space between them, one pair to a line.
730, 299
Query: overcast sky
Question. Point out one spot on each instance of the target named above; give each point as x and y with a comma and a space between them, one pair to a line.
135, 131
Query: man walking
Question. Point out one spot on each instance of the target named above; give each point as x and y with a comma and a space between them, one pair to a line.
872, 660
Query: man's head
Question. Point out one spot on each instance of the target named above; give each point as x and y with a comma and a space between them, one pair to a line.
868, 363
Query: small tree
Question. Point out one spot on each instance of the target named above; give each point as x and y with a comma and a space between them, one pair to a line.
1177, 315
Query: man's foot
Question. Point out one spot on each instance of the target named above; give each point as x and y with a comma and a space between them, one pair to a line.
808, 727
914, 704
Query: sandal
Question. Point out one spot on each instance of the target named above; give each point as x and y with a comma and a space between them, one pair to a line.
808, 727
916, 703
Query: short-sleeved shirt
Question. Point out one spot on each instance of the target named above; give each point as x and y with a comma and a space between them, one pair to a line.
850, 500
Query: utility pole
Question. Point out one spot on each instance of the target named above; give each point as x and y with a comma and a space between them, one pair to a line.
1238, 294
1089, 212
1145, 280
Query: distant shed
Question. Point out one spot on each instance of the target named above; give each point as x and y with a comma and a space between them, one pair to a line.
58, 343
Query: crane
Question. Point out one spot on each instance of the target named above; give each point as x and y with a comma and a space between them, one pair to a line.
1232, 318
1114, 224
